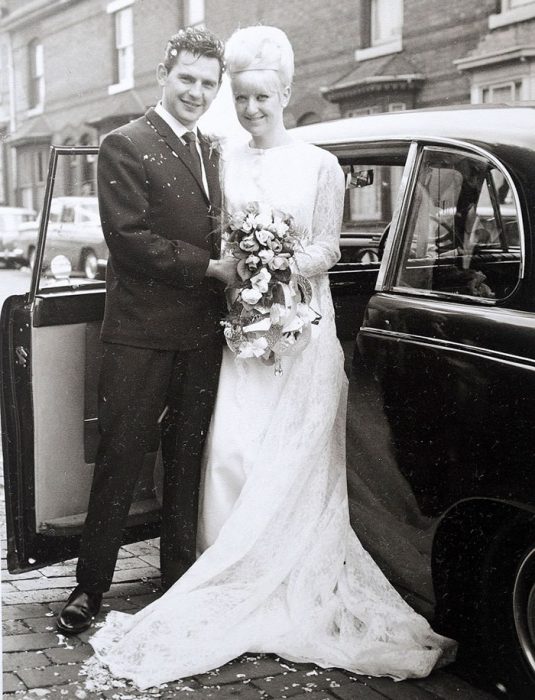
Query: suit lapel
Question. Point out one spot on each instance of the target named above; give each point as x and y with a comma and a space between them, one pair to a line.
178, 149
210, 158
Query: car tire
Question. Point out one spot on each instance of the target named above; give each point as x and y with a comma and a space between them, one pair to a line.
508, 617
484, 579
89, 264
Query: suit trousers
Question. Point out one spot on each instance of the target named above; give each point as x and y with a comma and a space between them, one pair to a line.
136, 385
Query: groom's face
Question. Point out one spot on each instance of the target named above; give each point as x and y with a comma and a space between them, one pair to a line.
189, 87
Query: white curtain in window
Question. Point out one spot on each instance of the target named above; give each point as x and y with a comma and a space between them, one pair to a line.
194, 12
386, 21
124, 43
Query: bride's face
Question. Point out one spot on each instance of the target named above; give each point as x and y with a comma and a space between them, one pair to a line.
259, 101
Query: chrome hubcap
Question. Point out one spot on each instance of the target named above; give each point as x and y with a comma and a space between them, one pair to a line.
524, 607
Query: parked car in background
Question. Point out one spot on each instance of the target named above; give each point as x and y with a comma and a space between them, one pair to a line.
439, 339
74, 231
11, 252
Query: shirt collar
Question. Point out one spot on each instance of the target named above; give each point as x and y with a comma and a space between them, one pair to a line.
178, 128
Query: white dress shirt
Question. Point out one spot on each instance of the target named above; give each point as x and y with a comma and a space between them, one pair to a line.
179, 129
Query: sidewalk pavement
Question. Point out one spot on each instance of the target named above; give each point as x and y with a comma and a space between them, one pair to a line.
40, 663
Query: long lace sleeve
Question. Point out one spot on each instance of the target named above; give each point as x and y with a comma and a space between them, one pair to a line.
322, 249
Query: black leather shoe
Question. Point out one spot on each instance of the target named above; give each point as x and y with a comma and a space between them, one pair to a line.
78, 612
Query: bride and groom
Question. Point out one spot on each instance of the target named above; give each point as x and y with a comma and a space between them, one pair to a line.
280, 569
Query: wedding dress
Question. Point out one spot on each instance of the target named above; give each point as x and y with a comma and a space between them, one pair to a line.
281, 569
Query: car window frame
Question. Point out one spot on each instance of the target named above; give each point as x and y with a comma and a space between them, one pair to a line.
35, 289
393, 253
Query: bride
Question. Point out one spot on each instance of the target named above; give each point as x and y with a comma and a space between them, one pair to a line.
281, 570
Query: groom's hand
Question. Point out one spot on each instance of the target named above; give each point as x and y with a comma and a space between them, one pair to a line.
224, 270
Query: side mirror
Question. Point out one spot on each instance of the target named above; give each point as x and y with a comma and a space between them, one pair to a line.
359, 178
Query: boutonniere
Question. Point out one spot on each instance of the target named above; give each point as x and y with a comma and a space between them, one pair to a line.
214, 145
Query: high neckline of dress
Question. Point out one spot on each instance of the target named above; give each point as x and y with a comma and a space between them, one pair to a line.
261, 151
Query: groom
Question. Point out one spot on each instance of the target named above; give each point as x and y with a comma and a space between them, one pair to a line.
158, 189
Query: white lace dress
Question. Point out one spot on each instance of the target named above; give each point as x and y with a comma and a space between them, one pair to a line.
282, 571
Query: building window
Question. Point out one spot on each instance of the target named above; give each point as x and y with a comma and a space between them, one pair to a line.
36, 91
31, 175
123, 32
363, 111
193, 13
511, 4
386, 18
512, 11
500, 93
381, 24
88, 169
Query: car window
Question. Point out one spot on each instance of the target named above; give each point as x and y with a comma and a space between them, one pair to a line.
10, 221
73, 230
88, 212
67, 216
371, 195
462, 233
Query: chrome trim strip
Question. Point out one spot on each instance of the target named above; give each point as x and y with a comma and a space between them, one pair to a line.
392, 245
452, 346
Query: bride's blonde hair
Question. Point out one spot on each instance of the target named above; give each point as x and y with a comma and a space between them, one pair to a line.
261, 48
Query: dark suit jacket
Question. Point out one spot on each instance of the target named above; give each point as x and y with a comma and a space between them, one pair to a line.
161, 231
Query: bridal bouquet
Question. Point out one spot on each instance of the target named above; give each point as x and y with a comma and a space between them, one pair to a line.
269, 313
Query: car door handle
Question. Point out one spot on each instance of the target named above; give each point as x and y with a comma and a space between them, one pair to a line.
22, 355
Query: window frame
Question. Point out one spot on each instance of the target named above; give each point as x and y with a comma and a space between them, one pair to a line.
511, 15
36, 77
393, 259
123, 49
195, 9
373, 48
518, 85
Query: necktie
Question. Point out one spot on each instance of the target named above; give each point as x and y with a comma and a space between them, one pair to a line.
191, 141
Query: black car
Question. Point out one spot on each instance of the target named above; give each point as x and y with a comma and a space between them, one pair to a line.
438, 327
440, 341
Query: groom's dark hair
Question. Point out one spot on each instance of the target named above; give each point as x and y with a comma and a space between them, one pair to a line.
199, 42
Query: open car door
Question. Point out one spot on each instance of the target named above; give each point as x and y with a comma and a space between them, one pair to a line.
50, 357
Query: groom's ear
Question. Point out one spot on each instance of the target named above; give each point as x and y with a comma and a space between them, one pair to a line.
161, 74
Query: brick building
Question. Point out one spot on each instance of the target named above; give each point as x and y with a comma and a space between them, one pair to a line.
74, 69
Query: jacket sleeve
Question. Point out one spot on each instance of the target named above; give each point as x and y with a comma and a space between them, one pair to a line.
322, 249
123, 194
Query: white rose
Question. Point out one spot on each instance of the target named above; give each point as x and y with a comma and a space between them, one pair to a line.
265, 256
236, 220
281, 229
263, 235
251, 296
253, 260
261, 280
279, 262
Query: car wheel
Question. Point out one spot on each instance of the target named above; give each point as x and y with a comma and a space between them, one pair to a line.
524, 607
89, 264
508, 617
484, 579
